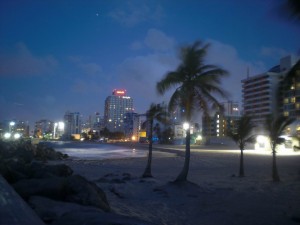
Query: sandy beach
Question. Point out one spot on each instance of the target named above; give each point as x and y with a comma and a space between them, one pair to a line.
216, 195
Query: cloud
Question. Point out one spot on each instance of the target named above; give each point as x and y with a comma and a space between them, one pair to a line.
91, 69
158, 40
21, 62
273, 52
136, 45
133, 13
88, 68
140, 74
84, 87
227, 57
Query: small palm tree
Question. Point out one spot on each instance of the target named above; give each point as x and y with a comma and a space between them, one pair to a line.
243, 135
194, 83
275, 128
155, 112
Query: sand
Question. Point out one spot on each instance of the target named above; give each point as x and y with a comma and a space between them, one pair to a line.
216, 195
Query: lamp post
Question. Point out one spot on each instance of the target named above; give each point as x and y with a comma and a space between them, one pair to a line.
11, 124
54, 130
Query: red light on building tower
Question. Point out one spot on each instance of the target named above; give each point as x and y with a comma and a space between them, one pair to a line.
119, 92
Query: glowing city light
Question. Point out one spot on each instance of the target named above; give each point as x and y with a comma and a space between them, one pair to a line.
186, 126
7, 135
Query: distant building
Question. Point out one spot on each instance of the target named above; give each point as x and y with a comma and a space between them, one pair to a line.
15, 126
94, 123
221, 122
291, 95
116, 106
131, 126
262, 95
43, 128
72, 122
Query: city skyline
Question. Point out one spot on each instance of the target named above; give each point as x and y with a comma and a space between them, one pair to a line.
69, 56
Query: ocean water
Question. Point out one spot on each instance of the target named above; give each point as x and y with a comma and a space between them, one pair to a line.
92, 151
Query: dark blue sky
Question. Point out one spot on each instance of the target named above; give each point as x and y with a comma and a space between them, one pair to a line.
69, 55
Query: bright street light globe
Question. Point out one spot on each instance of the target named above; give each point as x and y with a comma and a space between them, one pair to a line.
7, 135
17, 136
186, 126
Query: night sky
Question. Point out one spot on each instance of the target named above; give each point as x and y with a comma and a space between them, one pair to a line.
59, 55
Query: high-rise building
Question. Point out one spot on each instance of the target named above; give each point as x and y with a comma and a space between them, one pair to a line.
116, 106
43, 128
131, 126
261, 95
291, 94
221, 122
72, 122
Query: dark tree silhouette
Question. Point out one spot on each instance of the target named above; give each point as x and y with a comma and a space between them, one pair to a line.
194, 83
155, 112
242, 136
275, 128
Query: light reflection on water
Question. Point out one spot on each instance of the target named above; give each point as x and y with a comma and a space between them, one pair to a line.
95, 150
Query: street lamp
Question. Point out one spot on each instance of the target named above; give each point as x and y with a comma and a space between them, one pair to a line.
11, 124
54, 130
186, 126
7, 135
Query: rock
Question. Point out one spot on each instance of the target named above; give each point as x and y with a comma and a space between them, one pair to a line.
50, 210
86, 193
97, 218
42, 170
71, 189
53, 187
12, 170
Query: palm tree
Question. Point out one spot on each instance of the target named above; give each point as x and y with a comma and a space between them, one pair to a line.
195, 84
275, 128
242, 136
291, 9
155, 112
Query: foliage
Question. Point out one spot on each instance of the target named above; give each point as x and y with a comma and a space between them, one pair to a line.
275, 128
167, 136
242, 136
159, 113
243, 133
196, 87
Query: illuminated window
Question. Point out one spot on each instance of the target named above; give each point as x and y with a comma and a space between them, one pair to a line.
293, 100
286, 113
286, 101
297, 105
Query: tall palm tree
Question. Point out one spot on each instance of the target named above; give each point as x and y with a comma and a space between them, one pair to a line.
155, 112
243, 135
275, 128
291, 9
194, 83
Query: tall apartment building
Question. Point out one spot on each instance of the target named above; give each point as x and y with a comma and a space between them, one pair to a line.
261, 95
116, 106
43, 128
221, 123
291, 94
73, 124
132, 125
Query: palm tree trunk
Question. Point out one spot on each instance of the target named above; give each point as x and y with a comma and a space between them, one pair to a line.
147, 172
184, 172
275, 174
241, 174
